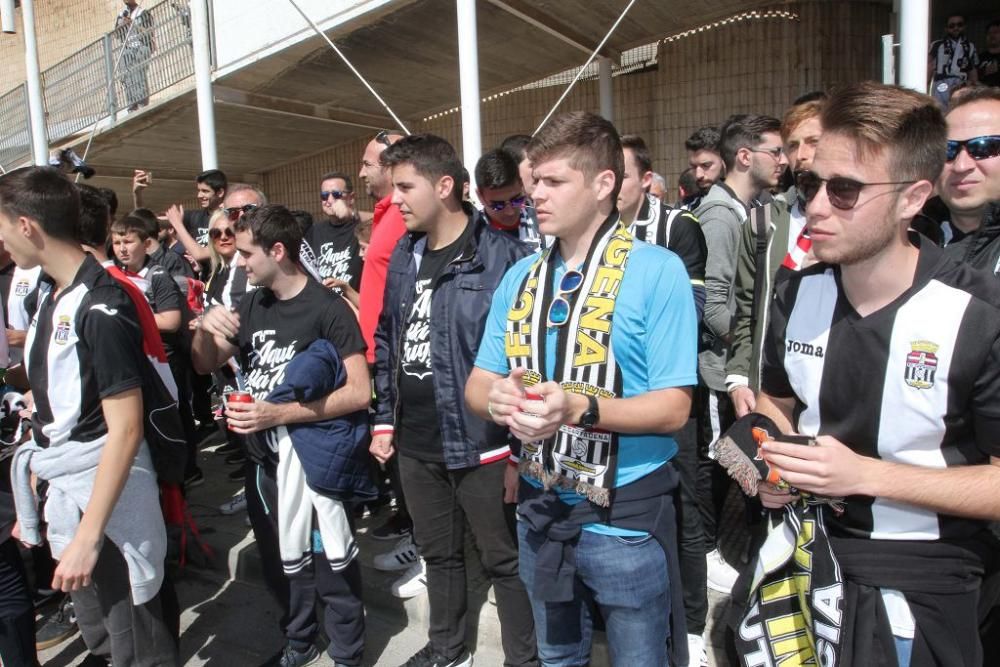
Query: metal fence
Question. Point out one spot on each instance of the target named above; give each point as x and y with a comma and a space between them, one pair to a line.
122, 70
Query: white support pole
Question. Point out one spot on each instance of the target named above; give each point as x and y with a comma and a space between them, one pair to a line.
606, 89
202, 44
468, 73
914, 41
8, 21
33, 75
888, 60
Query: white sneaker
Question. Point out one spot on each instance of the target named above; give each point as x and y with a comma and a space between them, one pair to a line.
721, 575
413, 582
402, 556
237, 503
697, 655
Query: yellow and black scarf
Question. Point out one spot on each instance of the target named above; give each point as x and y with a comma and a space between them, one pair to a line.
584, 460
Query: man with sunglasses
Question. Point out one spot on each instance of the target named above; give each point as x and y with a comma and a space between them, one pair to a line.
970, 180
754, 160
951, 60
886, 355
333, 241
589, 356
452, 462
499, 187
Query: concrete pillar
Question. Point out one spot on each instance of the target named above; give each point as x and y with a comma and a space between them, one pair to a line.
468, 72
202, 43
36, 107
914, 42
606, 89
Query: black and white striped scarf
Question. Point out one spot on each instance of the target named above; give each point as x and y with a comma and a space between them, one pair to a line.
584, 460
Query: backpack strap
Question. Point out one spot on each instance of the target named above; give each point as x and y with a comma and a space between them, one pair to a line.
760, 218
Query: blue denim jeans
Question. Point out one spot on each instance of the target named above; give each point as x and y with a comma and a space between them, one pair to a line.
626, 579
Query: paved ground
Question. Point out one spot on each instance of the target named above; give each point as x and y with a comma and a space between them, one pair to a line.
229, 619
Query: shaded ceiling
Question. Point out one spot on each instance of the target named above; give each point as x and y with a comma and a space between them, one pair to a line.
304, 99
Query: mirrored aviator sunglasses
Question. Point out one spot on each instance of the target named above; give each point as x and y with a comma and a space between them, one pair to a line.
559, 309
978, 148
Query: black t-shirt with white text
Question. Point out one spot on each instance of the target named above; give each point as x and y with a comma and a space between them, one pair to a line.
989, 69
419, 432
196, 223
337, 251
272, 331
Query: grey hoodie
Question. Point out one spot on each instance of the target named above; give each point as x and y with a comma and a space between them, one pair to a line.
136, 523
722, 217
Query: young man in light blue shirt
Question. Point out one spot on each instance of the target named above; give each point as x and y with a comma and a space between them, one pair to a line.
593, 399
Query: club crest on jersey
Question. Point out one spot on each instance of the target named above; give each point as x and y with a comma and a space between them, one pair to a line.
22, 288
921, 364
61, 335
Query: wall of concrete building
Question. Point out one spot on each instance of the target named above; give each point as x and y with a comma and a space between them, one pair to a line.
756, 66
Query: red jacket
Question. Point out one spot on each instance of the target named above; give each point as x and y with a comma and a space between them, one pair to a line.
387, 228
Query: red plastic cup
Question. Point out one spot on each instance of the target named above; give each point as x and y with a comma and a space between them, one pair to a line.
237, 396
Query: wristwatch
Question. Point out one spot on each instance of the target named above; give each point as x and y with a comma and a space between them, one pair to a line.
591, 415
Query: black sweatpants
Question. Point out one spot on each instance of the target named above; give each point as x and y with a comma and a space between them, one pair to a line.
340, 592
441, 501
691, 530
17, 615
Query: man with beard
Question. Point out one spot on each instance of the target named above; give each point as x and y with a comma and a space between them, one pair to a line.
705, 162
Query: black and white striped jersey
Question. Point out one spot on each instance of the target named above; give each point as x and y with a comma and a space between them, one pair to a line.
82, 346
916, 382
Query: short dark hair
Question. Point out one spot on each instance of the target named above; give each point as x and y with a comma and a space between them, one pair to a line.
974, 93
112, 198
952, 15
688, 181
132, 224
273, 224
147, 216
705, 138
636, 144
516, 144
877, 117
430, 156
589, 142
342, 176
744, 131
993, 24
811, 96
304, 218
94, 216
45, 195
214, 179
497, 169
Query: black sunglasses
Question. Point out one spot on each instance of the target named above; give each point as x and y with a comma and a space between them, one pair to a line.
978, 148
956, 25
215, 233
843, 192
234, 212
514, 202
336, 194
383, 138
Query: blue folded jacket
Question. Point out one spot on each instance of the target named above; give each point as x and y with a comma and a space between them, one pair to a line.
333, 452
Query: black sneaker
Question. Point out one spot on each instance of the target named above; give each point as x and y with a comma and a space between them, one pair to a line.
194, 479
57, 627
238, 475
236, 457
428, 657
289, 657
395, 528
228, 448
